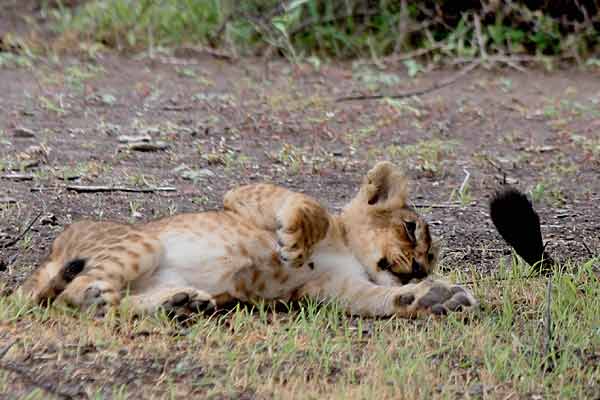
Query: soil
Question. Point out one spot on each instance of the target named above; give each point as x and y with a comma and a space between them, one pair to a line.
231, 123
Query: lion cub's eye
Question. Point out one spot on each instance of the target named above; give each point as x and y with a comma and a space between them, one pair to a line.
410, 229
383, 263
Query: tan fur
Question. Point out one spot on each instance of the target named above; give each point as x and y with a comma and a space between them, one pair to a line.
267, 243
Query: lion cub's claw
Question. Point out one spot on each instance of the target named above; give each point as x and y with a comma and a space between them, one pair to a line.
291, 254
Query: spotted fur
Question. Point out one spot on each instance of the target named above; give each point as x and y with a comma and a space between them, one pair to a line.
268, 242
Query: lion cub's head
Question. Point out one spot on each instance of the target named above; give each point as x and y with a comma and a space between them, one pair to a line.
387, 236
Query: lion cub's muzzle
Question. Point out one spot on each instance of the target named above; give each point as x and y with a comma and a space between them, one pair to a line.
418, 272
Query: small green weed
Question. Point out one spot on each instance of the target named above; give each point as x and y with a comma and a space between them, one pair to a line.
315, 350
427, 156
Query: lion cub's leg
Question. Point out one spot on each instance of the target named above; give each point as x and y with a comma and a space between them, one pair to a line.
177, 302
298, 220
302, 223
362, 297
110, 265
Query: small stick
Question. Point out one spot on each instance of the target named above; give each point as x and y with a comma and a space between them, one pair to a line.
480, 40
18, 177
94, 189
413, 54
465, 181
493, 164
548, 324
22, 234
441, 205
435, 86
588, 249
7, 348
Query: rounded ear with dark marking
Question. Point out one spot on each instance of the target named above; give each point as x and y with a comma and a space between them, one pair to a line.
385, 186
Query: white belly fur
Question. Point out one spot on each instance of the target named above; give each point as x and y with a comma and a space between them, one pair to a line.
191, 260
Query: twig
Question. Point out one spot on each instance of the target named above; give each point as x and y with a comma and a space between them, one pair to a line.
215, 37
7, 348
18, 177
440, 205
512, 61
435, 86
493, 163
94, 189
512, 64
588, 249
23, 233
548, 326
482, 53
465, 181
413, 54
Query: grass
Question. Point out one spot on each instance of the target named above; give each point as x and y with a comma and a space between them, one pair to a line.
316, 29
315, 351
427, 156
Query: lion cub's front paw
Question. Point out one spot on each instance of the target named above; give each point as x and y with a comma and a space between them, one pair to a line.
301, 226
435, 298
86, 293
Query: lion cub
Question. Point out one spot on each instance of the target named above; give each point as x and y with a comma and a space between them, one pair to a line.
267, 243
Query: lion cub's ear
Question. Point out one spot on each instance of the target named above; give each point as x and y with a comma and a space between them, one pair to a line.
385, 186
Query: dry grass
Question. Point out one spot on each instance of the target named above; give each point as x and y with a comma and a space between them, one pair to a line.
315, 351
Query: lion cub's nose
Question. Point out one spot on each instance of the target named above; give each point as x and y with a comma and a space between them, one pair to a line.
417, 270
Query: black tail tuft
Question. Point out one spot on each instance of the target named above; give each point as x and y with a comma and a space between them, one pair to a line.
518, 223
73, 268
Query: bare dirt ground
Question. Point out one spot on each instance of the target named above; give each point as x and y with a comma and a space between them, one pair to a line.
227, 124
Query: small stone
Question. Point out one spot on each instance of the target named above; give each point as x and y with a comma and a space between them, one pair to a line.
194, 175
49, 219
108, 99
22, 132
134, 139
476, 390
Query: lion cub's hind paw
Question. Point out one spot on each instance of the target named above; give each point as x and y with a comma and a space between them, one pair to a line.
290, 252
300, 228
185, 303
